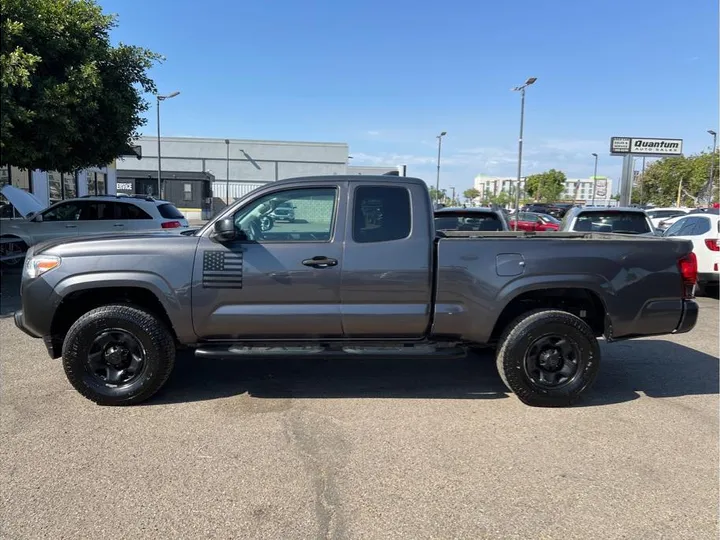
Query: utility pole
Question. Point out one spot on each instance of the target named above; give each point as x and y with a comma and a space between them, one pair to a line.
594, 179
521, 89
712, 167
437, 181
453, 192
227, 172
159, 99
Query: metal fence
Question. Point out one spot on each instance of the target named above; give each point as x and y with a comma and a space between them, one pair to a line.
237, 189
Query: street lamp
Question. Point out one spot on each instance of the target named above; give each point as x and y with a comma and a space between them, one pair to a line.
227, 172
712, 164
159, 99
594, 179
437, 182
521, 89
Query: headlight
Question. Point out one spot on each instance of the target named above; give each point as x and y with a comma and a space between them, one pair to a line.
37, 266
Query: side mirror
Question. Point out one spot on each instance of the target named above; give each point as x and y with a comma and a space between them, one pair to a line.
37, 218
224, 231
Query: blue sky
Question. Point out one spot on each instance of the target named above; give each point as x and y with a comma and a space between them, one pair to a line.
387, 76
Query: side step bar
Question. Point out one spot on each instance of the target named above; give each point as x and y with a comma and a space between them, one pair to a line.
225, 351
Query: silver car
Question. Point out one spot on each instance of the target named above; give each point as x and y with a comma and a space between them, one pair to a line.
80, 217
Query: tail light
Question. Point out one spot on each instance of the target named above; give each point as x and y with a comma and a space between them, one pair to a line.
688, 271
712, 244
170, 224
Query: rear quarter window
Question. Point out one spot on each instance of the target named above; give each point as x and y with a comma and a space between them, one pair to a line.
168, 211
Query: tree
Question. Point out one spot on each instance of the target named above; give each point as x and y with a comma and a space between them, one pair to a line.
546, 186
69, 98
471, 194
436, 195
690, 175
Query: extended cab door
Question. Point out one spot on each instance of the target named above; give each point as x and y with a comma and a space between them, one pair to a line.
387, 268
281, 283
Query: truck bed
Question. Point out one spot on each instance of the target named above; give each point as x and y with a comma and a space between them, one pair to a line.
635, 280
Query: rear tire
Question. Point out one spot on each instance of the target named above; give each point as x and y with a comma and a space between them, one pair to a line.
118, 355
548, 358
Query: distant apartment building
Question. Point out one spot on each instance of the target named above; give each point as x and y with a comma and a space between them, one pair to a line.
579, 189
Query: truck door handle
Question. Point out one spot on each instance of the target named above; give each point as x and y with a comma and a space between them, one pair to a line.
320, 262
71, 226
118, 225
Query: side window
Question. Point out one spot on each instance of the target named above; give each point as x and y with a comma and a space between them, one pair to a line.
97, 210
294, 215
688, 228
69, 211
702, 226
675, 227
381, 214
130, 211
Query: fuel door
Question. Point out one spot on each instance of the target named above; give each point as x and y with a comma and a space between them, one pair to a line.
509, 264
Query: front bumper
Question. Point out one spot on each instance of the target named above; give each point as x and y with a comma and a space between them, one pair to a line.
689, 317
20, 323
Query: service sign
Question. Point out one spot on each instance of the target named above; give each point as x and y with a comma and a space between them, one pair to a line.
646, 147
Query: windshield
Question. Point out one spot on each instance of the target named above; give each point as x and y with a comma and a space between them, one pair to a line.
613, 222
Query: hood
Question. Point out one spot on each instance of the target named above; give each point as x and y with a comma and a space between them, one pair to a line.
25, 203
144, 236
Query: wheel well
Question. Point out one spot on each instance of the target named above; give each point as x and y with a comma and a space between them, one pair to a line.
584, 303
76, 304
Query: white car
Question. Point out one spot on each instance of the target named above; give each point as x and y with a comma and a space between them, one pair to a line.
659, 215
80, 217
703, 230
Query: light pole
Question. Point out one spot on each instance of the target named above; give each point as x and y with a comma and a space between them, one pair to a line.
521, 89
227, 172
594, 179
437, 181
712, 164
159, 99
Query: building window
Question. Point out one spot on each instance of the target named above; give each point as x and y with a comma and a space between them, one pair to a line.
4, 175
187, 192
20, 178
101, 187
91, 184
55, 186
69, 185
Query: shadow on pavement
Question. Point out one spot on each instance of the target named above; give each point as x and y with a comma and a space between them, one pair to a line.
656, 368
9, 291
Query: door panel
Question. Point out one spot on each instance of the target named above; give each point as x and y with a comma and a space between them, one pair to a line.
386, 277
260, 288
59, 221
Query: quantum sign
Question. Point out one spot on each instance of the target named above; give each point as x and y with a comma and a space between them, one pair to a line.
645, 147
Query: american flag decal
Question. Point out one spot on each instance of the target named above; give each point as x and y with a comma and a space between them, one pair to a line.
222, 270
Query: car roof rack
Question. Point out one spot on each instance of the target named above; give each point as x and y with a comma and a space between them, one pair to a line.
122, 196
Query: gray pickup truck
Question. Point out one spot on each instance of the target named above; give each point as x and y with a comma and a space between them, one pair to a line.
360, 271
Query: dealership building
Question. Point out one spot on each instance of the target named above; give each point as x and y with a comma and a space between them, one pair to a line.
201, 175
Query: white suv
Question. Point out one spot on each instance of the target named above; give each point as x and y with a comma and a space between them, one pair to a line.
702, 229
87, 215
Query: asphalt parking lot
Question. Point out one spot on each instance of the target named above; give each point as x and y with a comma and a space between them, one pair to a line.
312, 448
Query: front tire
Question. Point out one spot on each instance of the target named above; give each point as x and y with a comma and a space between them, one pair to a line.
118, 355
548, 358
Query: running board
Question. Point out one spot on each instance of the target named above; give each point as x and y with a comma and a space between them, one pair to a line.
220, 351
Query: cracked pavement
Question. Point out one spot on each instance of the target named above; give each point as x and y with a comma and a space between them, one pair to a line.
315, 448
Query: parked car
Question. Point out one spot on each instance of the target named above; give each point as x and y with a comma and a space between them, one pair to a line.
533, 221
79, 217
702, 229
116, 307
608, 220
284, 212
470, 219
659, 215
